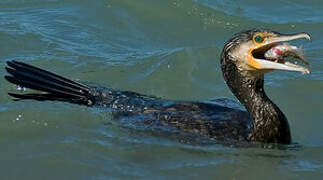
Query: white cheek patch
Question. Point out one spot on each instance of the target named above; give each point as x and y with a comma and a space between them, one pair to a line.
240, 55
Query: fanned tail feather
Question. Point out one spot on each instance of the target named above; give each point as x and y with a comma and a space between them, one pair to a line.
55, 87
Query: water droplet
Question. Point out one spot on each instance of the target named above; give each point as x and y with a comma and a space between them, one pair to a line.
21, 88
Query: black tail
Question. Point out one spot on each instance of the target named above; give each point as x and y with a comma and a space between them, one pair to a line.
55, 87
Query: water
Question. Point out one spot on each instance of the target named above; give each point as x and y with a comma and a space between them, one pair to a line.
167, 48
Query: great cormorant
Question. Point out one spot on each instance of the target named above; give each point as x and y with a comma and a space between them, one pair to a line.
243, 64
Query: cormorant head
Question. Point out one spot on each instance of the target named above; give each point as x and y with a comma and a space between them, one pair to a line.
245, 59
246, 52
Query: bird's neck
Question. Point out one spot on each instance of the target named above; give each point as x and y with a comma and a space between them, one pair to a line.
269, 123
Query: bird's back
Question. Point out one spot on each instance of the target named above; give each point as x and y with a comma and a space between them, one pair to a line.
216, 119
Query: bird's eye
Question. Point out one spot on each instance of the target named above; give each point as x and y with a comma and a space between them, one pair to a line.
258, 39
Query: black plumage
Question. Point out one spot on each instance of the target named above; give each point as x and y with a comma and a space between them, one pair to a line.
264, 122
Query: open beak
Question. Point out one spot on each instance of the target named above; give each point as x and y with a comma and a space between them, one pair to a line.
258, 60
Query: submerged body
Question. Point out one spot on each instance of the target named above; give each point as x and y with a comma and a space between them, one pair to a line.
242, 69
208, 120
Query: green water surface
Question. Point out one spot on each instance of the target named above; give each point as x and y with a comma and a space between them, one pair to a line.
166, 48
